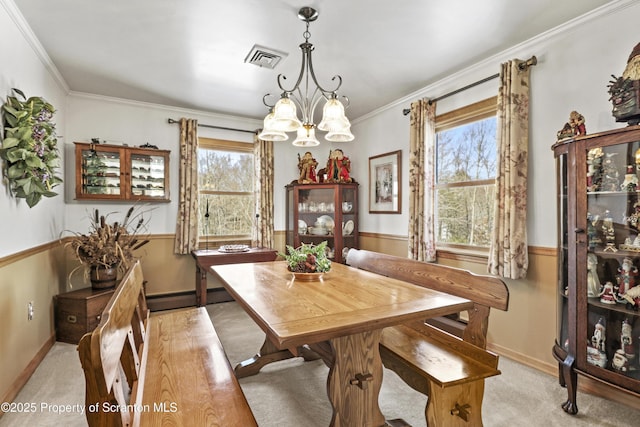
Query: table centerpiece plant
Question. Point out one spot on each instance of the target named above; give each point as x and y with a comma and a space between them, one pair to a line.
307, 258
108, 249
29, 148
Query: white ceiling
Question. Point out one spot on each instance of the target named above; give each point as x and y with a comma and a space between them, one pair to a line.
190, 53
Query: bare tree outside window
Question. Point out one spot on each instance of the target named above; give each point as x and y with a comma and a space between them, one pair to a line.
466, 161
226, 193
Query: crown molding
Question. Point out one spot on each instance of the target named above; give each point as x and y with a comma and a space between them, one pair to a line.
464, 75
189, 112
16, 16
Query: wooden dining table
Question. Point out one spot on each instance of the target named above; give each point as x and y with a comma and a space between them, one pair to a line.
340, 318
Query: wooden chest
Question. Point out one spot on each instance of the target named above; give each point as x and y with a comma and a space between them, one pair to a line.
78, 312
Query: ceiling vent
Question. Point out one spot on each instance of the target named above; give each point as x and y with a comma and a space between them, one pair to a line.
264, 57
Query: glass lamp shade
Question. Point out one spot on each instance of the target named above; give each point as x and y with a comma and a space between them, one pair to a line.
269, 133
344, 135
272, 135
284, 116
306, 137
333, 118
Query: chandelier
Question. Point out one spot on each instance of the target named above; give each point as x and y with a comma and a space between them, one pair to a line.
283, 116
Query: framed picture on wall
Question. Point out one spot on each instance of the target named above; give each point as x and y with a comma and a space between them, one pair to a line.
385, 193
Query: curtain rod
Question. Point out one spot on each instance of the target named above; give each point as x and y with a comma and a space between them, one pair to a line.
172, 121
522, 66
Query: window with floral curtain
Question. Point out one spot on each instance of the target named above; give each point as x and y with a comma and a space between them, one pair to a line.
508, 254
422, 244
187, 219
263, 153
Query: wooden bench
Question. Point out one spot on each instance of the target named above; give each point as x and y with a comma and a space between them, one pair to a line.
448, 368
160, 369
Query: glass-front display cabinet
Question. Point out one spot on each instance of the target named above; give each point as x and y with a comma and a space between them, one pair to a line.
114, 172
323, 212
599, 260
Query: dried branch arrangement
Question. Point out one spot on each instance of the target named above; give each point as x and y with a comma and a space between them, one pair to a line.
111, 245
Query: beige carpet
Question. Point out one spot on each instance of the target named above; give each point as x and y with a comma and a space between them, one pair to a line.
293, 392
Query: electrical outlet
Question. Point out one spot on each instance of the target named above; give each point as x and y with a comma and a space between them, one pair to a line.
30, 311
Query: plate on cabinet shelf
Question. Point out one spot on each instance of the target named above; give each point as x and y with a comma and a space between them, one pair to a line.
327, 221
348, 228
302, 227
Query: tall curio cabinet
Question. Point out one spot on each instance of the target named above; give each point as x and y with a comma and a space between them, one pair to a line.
323, 212
599, 260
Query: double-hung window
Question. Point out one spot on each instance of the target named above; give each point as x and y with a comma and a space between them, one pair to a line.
226, 190
466, 162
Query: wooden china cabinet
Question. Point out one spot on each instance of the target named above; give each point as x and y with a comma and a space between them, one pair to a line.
599, 260
323, 212
117, 172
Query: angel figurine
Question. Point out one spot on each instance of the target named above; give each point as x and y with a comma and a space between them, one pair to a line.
609, 232
611, 177
593, 282
592, 233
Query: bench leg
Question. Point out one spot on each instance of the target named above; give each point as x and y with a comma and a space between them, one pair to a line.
451, 405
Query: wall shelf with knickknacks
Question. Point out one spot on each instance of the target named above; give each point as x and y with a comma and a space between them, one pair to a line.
117, 172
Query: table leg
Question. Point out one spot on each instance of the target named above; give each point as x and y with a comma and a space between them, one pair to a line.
269, 353
355, 380
201, 286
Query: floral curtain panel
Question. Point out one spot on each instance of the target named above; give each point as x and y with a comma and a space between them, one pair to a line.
508, 256
422, 245
187, 220
263, 154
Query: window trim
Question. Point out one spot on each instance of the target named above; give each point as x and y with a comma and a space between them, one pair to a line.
223, 144
233, 146
467, 114
470, 113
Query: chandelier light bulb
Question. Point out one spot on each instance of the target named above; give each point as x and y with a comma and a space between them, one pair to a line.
284, 116
343, 135
269, 133
306, 136
333, 118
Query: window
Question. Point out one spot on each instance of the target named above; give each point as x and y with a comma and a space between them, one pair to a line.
226, 190
466, 162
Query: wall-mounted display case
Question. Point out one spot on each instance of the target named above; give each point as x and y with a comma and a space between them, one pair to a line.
114, 172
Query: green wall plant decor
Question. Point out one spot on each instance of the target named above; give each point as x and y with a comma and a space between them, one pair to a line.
29, 148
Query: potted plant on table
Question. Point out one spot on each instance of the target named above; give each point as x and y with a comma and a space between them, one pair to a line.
108, 249
307, 262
